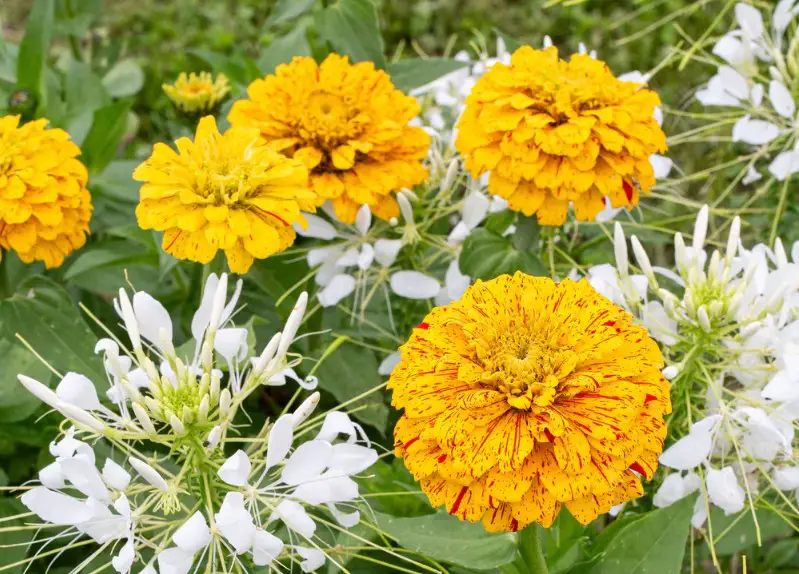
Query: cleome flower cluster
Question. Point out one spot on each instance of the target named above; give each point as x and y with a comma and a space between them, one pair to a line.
527, 395
167, 497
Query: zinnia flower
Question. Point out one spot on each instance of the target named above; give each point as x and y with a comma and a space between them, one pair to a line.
44, 204
197, 92
347, 123
553, 132
223, 191
526, 395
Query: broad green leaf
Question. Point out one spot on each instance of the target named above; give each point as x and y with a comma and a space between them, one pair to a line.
500, 221
108, 127
349, 372
14, 544
526, 236
102, 268
231, 67
737, 532
116, 181
84, 94
486, 255
45, 316
353, 29
16, 403
414, 73
8, 62
124, 79
563, 543
444, 537
282, 50
285, 10
33, 49
652, 544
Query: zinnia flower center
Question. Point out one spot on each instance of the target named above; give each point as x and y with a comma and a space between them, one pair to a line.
328, 120
527, 368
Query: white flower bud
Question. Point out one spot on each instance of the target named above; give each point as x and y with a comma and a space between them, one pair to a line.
642, 258
779, 253
733, 238
700, 230
213, 437
143, 418
452, 173
680, 255
750, 329
302, 412
620, 249
704, 320
202, 411
214, 390
78, 415
175, 423
405, 208
149, 474
154, 407
266, 356
715, 263
409, 194
186, 416
735, 303
166, 342
224, 402
292, 325
129, 318
218, 305
716, 309
40, 391
670, 372
393, 222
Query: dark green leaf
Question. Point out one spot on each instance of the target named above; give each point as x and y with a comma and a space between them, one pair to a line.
352, 28
84, 94
33, 50
444, 537
486, 255
653, 544
282, 50
526, 236
8, 62
16, 403
102, 268
417, 72
124, 79
231, 67
116, 181
14, 544
45, 316
738, 532
108, 127
781, 553
349, 372
285, 10
500, 221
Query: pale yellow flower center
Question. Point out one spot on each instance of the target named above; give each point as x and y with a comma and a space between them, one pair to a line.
526, 368
328, 120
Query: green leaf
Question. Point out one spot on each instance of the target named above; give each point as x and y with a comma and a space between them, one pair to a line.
286, 10
282, 50
102, 268
563, 543
527, 231
781, 553
231, 67
500, 221
8, 62
45, 316
511, 44
33, 49
352, 28
84, 94
652, 544
349, 372
108, 127
417, 72
444, 537
124, 79
14, 544
16, 403
486, 255
116, 181
737, 532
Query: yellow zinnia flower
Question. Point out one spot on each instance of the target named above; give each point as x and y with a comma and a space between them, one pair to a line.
197, 92
44, 204
223, 191
526, 395
347, 123
553, 132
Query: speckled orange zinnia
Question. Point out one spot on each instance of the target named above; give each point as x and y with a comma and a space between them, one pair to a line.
347, 123
553, 132
527, 395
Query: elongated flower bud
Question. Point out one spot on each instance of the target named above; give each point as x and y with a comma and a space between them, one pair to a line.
266, 356
213, 437
143, 418
733, 238
40, 391
175, 423
292, 325
405, 208
643, 259
452, 172
620, 249
80, 416
700, 230
307, 407
224, 402
149, 474
202, 410
129, 317
704, 320
219, 304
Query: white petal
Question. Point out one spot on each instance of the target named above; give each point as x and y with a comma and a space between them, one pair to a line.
782, 16
752, 175
294, 516
754, 132
151, 317
174, 561
363, 220
348, 258
730, 49
346, 519
235, 523
688, 452
786, 478
327, 490
351, 459
784, 165
782, 387
336, 423
281, 436
321, 254
78, 390
661, 165
389, 363
340, 287
414, 285
84, 476
124, 560
671, 490
313, 558
51, 476
265, 548
317, 227
724, 491
307, 462
781, 99
756, 95
122, 506
750, 20
149, 474
458, 234
475, 209
386, 251
236, 469
40, 391
193, 534
366, 256
103, 526
231, 343
115, 476
734, 83
203, 314
55, 507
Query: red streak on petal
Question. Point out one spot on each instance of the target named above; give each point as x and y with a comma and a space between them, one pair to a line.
423, 325
514, 525
549, 435
410, 442
458, 500
649, 398
173, 241
637, 468
628, 190
442, 458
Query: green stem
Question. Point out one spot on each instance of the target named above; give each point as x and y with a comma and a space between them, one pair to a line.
531, 550
5, 283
